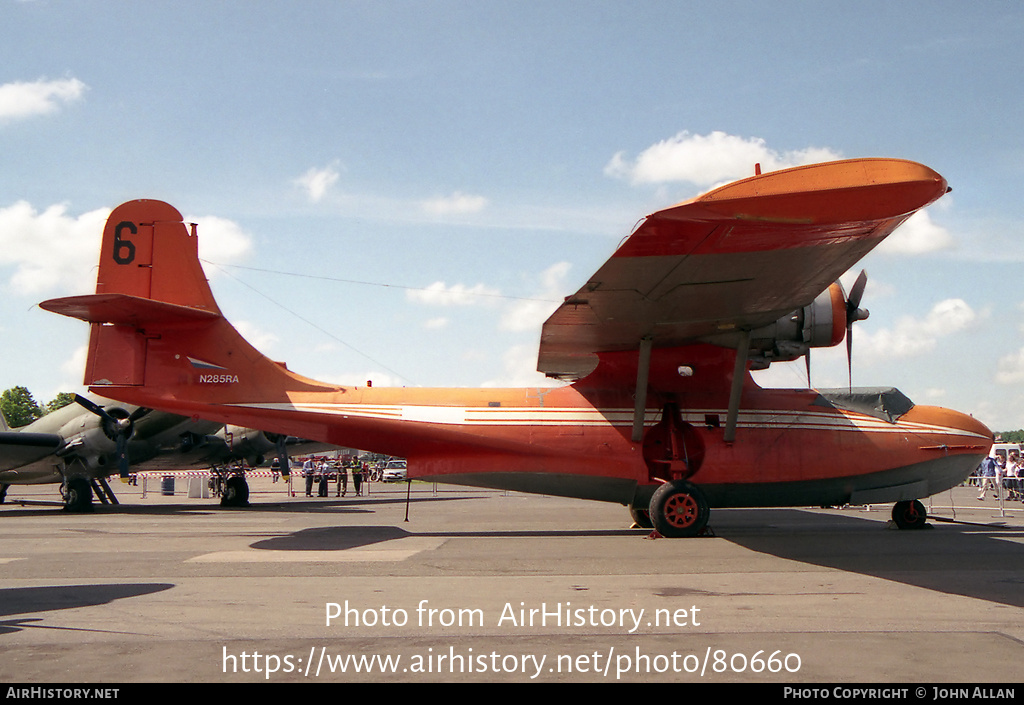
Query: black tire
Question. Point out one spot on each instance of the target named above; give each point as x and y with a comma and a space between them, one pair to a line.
679, 509
641, 517
236, 493
909, 515
77, 495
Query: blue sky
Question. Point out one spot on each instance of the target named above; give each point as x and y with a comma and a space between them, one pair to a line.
401, 191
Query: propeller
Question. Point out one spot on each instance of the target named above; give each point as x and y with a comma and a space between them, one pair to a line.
853, 314
117, 427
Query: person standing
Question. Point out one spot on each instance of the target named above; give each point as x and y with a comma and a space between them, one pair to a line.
307, 472
988, 474
357, 477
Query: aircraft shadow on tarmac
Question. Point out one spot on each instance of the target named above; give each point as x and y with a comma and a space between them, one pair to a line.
311, 506
970, 560
340, 538
30, 600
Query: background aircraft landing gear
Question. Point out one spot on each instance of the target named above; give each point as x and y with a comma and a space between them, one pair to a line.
641, 517
236, 492
909, 515
77, 495
679, 509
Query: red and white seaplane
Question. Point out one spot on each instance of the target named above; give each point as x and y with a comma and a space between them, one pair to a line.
661, 413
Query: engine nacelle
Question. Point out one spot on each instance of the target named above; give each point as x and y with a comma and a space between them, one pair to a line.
93, 440
819, 325
247, 444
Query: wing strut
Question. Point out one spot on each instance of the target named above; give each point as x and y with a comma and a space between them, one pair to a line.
643, 370
739, 376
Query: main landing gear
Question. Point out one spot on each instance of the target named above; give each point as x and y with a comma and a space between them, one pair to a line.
235, 492
77, 495
679, 509
909, 515
673, 451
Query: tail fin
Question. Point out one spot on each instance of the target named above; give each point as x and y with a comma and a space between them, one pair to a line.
157, 333
148, 252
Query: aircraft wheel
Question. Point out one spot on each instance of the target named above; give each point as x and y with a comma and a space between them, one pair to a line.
641, 517
77, 495
909, 515
679, 509
236, 493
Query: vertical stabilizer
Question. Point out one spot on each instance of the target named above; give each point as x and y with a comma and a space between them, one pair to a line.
157, 333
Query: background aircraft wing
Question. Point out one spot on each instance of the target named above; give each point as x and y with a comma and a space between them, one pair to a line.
18, 449
736, 258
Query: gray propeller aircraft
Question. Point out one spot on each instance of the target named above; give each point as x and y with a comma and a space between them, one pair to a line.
82, 444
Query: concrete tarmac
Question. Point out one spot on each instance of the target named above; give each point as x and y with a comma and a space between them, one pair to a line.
491, 586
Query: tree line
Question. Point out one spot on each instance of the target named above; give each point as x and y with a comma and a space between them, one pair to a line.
19, 407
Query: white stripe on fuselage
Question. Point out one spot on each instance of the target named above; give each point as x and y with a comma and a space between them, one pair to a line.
477, 416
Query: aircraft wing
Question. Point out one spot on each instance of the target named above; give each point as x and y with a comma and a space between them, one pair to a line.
18, 449
735, 259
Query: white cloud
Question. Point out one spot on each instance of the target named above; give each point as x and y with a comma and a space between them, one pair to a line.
21, 100
519, 369
917, 236
316, 182
436, 323
440, 294
221, 240
1010, 369
50, 251
912, 337
457, 203
529, 315
708, 159
260, 339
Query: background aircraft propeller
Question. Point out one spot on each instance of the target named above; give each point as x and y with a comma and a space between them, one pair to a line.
117, 426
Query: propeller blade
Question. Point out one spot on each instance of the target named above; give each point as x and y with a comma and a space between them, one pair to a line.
281, 445
857, 291
849, 353
90, 405
122, 456
854, 313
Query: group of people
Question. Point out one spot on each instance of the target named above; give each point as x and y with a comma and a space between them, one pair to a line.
1002, 471
323, 471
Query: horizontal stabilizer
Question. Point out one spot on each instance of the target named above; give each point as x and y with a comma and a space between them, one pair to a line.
124, 309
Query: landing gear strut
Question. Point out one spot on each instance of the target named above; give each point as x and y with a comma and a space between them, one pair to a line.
909, 515
679, 509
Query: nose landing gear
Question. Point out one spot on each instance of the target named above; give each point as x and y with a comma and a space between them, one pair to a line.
909, 515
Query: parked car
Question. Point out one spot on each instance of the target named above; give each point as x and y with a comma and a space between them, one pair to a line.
395, 471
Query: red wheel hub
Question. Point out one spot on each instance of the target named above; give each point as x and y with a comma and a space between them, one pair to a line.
681, 510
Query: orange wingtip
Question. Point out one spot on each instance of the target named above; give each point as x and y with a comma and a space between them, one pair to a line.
833, 192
